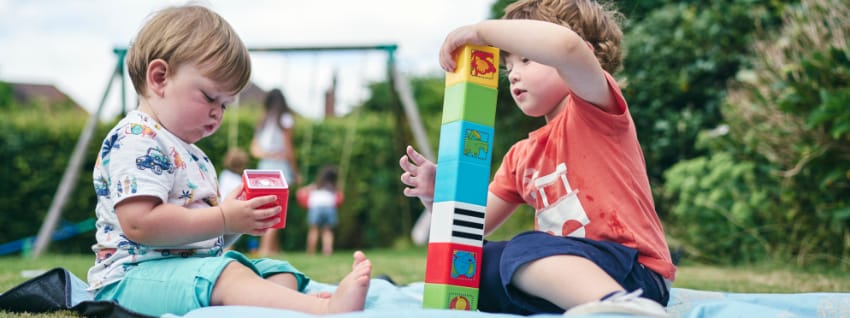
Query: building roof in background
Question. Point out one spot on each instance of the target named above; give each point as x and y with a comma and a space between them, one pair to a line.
252, 95
45, 95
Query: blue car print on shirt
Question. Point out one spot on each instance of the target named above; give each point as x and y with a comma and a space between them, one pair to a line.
154, 160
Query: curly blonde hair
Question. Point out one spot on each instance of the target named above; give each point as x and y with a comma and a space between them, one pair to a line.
597, 23
190, 34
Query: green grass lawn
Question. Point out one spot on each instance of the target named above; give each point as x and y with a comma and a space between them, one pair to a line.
408, 265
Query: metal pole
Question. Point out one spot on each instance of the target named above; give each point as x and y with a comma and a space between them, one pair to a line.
69, 178
402, 86
122, 52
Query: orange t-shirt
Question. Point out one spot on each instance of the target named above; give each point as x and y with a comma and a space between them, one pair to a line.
585, 175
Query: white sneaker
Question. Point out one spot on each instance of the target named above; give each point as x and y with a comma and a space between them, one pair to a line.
622, 302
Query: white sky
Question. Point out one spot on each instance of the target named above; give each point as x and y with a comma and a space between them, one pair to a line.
69, 43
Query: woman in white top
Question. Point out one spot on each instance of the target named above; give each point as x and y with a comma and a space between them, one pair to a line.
272, 145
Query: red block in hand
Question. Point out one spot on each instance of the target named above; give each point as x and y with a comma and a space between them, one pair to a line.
258, 183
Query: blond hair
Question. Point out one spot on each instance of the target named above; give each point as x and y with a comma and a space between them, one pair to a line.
190, 34
596, 23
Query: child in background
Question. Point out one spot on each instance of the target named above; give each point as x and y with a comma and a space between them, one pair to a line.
230, 178
322, 199
235, 161
598, 244
161, 226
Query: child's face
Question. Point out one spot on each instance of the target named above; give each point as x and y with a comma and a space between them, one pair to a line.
192, 105
537, 89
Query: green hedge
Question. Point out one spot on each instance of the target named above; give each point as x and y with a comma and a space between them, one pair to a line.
781, 176
36, 147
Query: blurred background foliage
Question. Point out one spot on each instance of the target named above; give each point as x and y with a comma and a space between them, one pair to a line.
742, 108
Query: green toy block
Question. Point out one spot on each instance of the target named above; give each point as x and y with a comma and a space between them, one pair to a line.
439, 296
471, 102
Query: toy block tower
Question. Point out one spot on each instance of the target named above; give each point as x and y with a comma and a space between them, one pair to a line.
463, 175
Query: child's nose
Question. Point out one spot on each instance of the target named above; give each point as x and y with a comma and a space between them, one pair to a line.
216, 113
513, 76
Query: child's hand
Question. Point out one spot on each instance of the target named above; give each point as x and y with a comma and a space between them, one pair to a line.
419, 174
467, 34
246, 216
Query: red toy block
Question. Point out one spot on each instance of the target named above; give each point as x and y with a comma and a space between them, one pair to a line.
453, 264
257, 183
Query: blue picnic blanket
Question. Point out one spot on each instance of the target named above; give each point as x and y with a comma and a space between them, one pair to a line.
387, 300
59, 289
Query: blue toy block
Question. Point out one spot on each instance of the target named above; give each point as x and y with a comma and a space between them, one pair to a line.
465, 141
462, 181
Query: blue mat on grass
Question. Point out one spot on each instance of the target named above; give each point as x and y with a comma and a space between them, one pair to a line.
59, 289
385, 300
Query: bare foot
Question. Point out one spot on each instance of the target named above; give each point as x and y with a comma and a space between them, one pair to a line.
350, 295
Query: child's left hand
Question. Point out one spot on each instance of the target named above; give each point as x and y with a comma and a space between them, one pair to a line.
419, 176
247, 216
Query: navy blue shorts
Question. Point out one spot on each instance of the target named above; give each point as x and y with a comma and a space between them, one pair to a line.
500, 260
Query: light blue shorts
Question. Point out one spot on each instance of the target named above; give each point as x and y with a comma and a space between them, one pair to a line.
323, 216
179, 285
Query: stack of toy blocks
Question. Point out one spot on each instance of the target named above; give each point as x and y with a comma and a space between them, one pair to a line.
463, 175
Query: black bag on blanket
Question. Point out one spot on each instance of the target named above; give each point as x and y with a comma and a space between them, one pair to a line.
58, 289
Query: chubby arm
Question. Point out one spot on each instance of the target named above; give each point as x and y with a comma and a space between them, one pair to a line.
542, 42
498, 211
148, 221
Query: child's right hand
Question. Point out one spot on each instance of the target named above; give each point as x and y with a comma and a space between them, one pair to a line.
419, 175
461, 36
246, 216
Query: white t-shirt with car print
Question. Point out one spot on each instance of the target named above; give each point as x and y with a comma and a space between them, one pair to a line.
141, 158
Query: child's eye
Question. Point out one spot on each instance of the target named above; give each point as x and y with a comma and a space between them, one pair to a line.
525, 60
207, 97
224, 106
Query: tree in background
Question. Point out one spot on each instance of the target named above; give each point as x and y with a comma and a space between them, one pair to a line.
679, 58
786, 160
5, 96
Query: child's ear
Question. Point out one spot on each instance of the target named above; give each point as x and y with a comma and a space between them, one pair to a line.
157, 76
